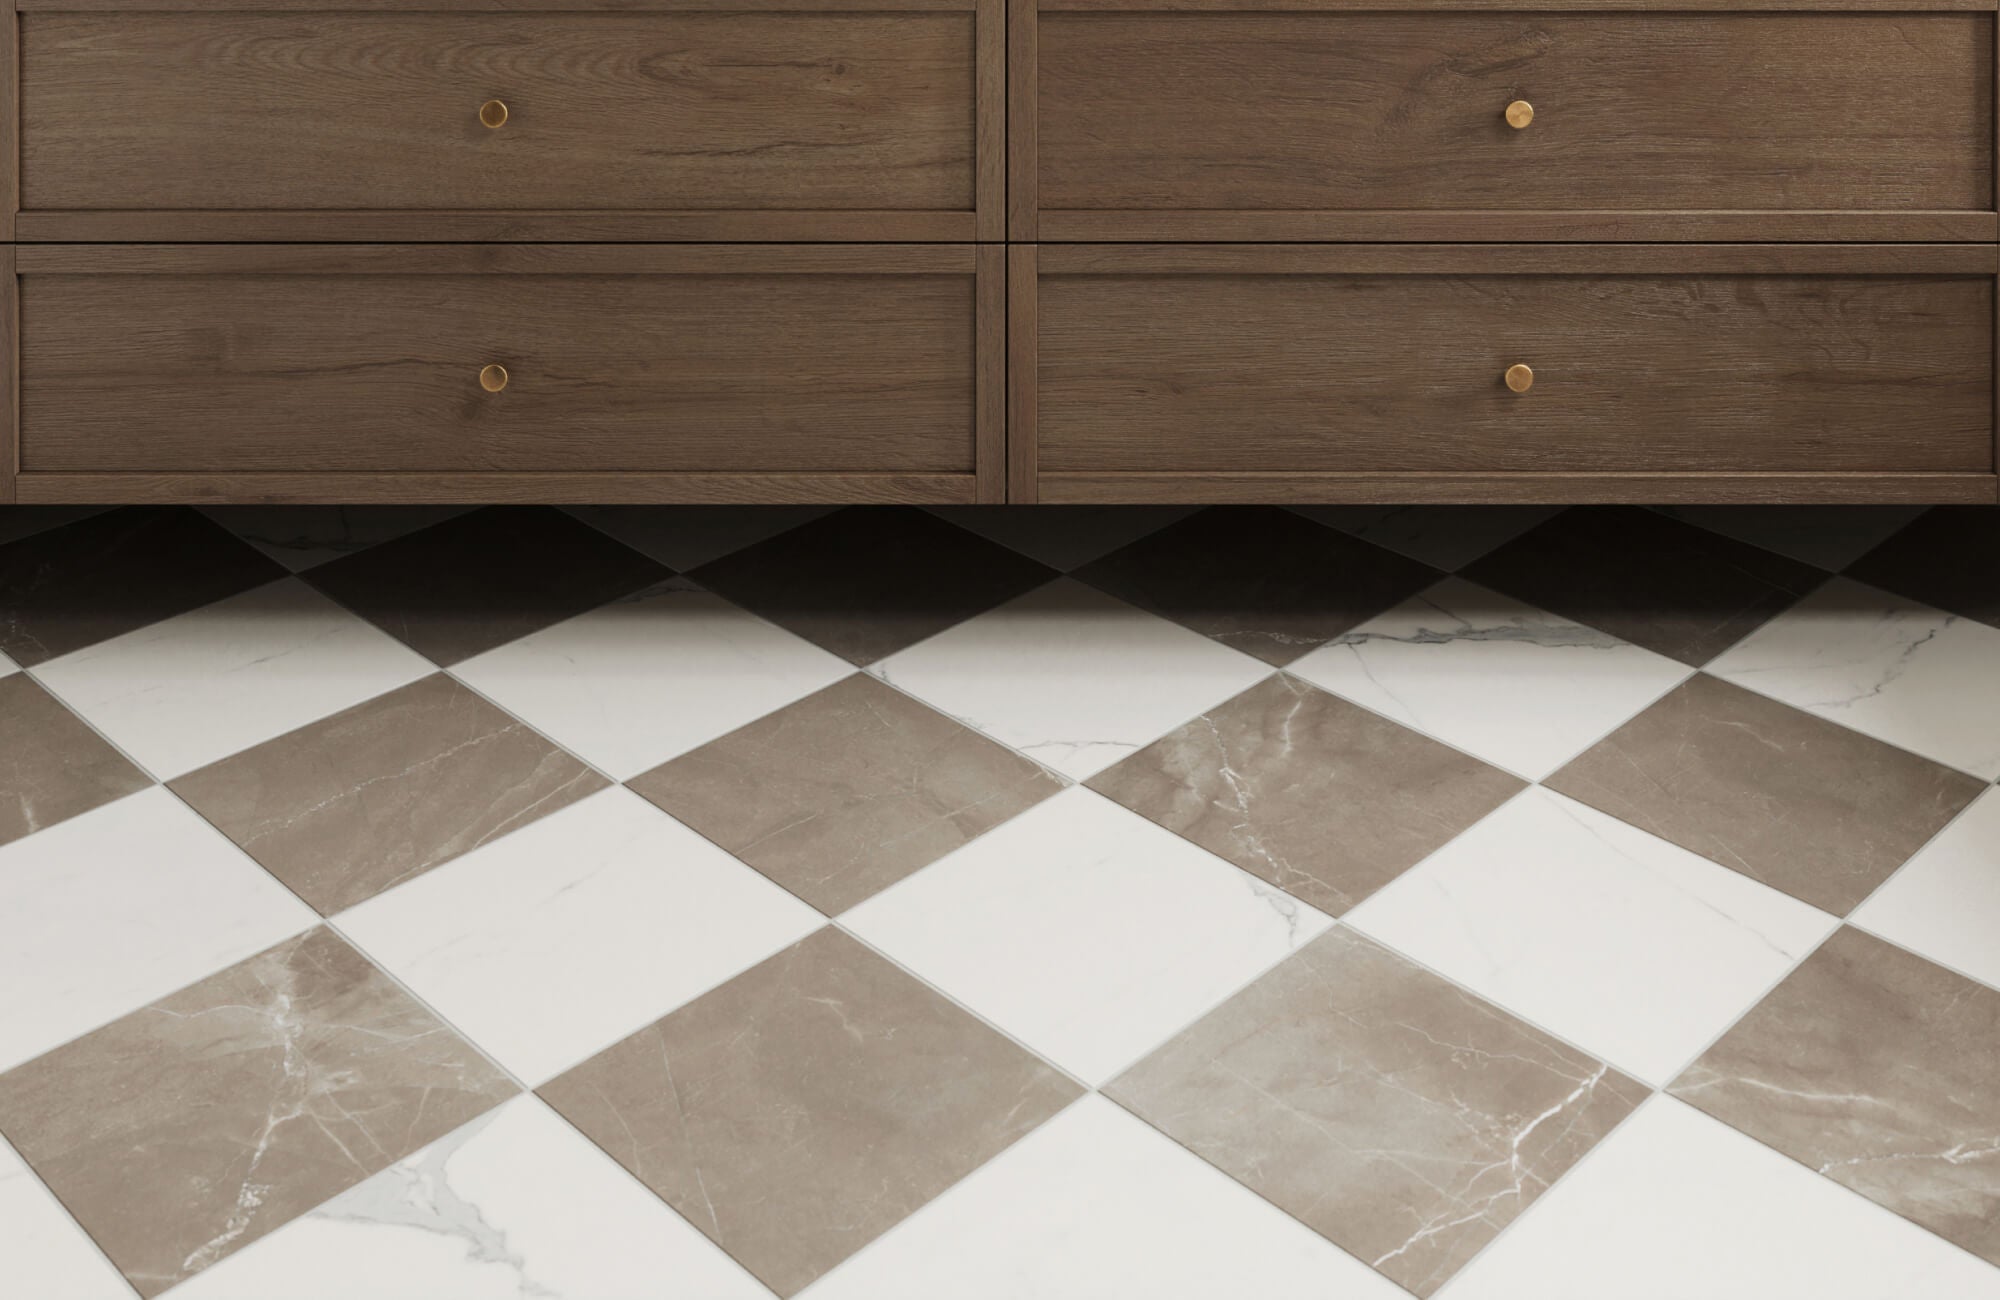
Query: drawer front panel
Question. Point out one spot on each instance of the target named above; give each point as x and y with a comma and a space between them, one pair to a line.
1632, 111
1337, 373
317, 373
331, 111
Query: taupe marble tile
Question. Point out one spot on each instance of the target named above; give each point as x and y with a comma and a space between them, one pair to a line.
1949, 558
808, 1105
483, 579
348, 806
868, 581
1800, 803
1266, 581
847, 791
1322, 798
1676, 589
83, 582
52, 766
1880, 1070
185, 1131
1399, 1116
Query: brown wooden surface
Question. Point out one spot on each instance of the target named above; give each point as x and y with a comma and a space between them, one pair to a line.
10, 391
1520, 489
287, 365
1023, 95
1325, 111
1072, 225
678, 112
552, 486
1220, 361
1022, 333
876, 226
990, 383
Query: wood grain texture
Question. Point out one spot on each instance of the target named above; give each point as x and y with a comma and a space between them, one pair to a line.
287, 371
1076, 225
687, 111
1201, 370
493, 259
553, 486
1023, 338
990, 360
735, 226
1649, 112
1546, 259
1023, 118
10, 387
1521, 489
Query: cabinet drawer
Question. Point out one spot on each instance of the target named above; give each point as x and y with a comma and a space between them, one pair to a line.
1232, 363
807, 363
864, 121
1401, 118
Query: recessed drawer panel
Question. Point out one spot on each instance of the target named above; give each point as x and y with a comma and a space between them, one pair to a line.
445, 359
494, 111
1513, 360
1200, 111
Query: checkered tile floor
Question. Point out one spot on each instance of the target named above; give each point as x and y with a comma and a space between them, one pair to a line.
614, 903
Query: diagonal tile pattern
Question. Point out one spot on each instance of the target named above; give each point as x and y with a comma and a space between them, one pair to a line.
1390, 1005
847, 791
1401, 1117
186, 1130
811, 1103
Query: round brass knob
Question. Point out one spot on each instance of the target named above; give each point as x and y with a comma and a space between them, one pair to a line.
1519, 114
1518, 377
493, 114
494, 378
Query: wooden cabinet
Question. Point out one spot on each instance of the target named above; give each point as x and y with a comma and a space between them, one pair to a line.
704, 372
1336, 124
1513, 372
999, 250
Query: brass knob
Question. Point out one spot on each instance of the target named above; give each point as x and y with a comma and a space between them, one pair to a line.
494, 378
1518, 377
493, 114
1519, 114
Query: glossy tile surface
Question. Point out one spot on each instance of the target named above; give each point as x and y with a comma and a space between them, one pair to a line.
1670, 587
186, 1130
1265, 581
1802, 804
1402, 1118
775, 1113
1914, 676
353, 804
1322, 798
1876, 1068
72, 586
52, 765
1071, 677
555, 942
1432, 664
1135, 932
846, 791
483, 579
858, 994
1639, 951
179, 694
867, 583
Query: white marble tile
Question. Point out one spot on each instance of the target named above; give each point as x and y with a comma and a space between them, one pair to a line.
1446, 537
682, 537
202, 685
8, 666
1630, 947
44, 1255
1063, 537
1093, 1205
1071, 677
636, 682
552, 943
1085, 931
1886, 666
1677, 1206
300, 537
1514, 685
1831, 537
1945, 901
103, 913
517, 1205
